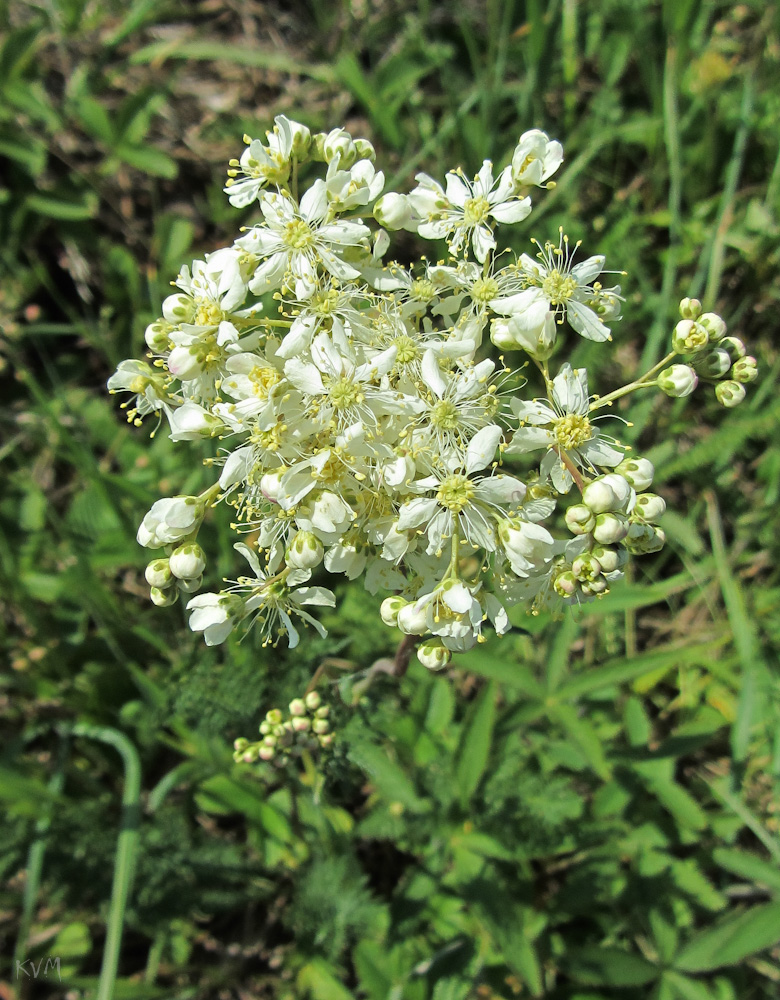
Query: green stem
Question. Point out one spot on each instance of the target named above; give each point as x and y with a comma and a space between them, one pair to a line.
643, 382
126, 847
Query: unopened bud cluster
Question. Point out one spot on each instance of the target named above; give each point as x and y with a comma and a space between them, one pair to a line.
359, 423
709, 356
307, 726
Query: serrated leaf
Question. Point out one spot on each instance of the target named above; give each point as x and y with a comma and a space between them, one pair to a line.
390, 779
748, 866
609, 967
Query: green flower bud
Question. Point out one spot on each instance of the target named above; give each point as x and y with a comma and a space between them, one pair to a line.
320, 726
433, 655
638, 472
714, 325
274, 717
240, 744
597, 586
610, 528
188, 561
690, 308
650, 506
270, 740
389, 609
365, 150
745, 370
312, 701
579, 519
165, 597
301, 725
326, 739
190, 586
730, 393
297, 707
678, 380
158, 574
305, 551
266, 753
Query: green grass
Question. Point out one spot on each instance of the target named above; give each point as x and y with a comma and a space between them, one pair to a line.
586, 809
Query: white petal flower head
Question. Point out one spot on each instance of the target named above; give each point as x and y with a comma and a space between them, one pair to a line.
296, 242
564, 428
262, 165
555, 283
468, 209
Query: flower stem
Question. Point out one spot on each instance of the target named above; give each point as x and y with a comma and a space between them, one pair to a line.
643, 382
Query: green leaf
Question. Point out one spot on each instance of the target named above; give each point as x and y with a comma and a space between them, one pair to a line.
223, 795
475, 743
64, 209
748, 866
485, 663
370, 959
316, 980
584, 736
151, 161
391, 781
733, 940
211, 51
609, 967
688, 989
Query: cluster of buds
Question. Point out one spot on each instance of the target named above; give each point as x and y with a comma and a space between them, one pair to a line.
710, 356
360, 423
307, 727
173, 524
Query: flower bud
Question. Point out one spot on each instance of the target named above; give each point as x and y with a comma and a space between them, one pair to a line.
730, 393
312, 701
565, 584
598, 585
185, 363
650, 506
734, 346
586, 567
714, 326
156, 336
689, 336
638, 472
320, 726
297, 707
164, 597
190, 586
326, 739
365, 150
274, 717
338, 144
745, 370
323, 712
301, 725
389, 609
158, 573
610, 492
266, 753
610, 528
678, 380
579, 519
188, 561
305, 551
690, 308
270, 485
713, 363
433, 655
240, 744
393, 211
250, 755
412, 619
179, 308
270, 740
608, 559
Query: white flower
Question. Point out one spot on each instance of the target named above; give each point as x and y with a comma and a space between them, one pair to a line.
467, 209
554, 283
170, 520
462, 505
564, 428
261, 165
295, 241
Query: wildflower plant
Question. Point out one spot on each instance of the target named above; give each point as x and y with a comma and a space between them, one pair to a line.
360, 424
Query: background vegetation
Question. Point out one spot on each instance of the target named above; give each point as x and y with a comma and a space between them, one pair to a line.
586, 810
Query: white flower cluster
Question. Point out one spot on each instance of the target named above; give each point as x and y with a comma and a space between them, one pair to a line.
358, 423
